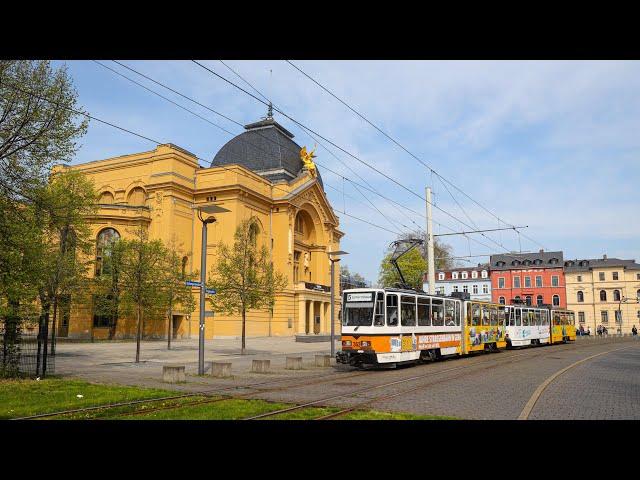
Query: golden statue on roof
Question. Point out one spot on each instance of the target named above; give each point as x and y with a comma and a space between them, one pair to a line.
307, 159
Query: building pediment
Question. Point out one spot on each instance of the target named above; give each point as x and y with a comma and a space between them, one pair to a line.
311, 192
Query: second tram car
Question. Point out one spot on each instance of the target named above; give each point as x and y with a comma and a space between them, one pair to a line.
387, 326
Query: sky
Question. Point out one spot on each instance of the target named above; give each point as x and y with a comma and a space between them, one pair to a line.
552, 145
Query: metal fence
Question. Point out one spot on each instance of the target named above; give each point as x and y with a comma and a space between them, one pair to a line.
26, 349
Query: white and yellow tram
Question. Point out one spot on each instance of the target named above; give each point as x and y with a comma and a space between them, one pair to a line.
387, 326
528, 325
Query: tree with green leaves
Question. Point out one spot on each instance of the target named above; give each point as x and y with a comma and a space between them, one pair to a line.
69, 198
140, 279
412, 264
38, 128
243, 276
174, 291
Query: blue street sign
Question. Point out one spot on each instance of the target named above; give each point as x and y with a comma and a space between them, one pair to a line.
210, 291
192, 283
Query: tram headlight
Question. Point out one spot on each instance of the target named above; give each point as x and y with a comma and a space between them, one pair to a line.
365, 343
346, 343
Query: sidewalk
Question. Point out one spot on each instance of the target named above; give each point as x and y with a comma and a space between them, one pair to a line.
115, 362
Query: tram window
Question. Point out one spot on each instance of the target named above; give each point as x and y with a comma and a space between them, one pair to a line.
457, 304
525, 318
449, 313
408, 311
493, 312
358, 314
518, 312
475, 314
501, 316
437, 312
572, 318
485, 315
378, 318
556, 318
544, 318
392, 310
423, 311
538, 322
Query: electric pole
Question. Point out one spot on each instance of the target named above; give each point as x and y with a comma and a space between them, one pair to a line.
431, 268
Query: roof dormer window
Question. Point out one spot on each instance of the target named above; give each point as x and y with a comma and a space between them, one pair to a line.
484, 274
464, 275
441, 276
553, 261
454, 275
474, 274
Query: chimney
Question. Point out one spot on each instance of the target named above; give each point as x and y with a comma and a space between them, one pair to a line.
541, 250
604, 257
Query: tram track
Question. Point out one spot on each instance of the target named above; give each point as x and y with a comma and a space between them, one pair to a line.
322, 402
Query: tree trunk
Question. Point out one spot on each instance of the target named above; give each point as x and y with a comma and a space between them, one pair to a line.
169, 329
53, 326
45, 339
138, 315
244, 318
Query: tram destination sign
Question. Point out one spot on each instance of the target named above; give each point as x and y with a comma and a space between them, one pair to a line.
360, 297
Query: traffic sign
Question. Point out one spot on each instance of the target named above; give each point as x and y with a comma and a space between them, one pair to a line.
210, 291
192, 283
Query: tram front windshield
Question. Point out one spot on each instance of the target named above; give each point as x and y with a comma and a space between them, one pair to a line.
358, 309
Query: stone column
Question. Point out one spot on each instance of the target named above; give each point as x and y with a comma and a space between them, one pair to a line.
302, 314
322, 326
310, 317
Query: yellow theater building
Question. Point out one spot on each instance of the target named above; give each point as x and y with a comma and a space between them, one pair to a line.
604, 291
259, 173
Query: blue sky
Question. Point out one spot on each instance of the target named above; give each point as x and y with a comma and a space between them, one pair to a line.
552, 145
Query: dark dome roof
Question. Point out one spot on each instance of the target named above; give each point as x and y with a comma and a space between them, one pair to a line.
267, 148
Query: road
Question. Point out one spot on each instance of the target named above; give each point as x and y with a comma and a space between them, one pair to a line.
601, 379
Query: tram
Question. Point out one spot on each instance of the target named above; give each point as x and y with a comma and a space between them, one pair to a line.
392, 325
387, 326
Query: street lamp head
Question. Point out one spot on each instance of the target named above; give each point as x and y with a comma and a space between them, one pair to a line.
210, 208
337, 253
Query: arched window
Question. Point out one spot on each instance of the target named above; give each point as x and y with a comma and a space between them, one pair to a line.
638, 294
484, 274
517, 299
441, 276
106, 239
603, 296
527, 299
556, 300
580, 296
137, 197
539, 300
616, 295
501, 300
106, 198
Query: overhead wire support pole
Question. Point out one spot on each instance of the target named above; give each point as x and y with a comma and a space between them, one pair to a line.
431, 268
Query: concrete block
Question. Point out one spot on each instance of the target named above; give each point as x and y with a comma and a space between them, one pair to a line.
173, 374
220, 369
294, 363
323, 360
260, 366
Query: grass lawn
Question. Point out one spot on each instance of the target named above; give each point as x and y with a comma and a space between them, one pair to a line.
20, 398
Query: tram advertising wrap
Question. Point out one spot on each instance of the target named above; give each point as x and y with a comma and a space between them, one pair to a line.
387, 326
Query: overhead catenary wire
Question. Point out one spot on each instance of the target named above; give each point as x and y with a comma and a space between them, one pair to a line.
269, 139
301, 125
433, 171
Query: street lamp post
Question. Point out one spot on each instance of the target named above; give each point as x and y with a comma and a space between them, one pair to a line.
333, 260
619, 319
209, 208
